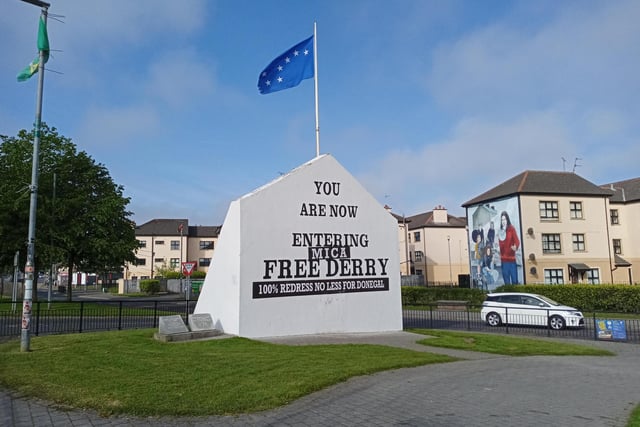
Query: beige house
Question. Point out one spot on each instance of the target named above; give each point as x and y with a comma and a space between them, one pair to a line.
624, 229
167, 243
433, 248
561, 229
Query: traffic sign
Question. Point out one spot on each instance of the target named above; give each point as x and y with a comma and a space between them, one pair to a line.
188, 267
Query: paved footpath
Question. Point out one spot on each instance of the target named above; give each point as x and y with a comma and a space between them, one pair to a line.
482, 390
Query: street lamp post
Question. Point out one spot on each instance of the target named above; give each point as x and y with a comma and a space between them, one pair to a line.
449, 246
25, 339
406, 245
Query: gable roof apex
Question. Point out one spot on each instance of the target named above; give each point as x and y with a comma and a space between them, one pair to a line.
543, 183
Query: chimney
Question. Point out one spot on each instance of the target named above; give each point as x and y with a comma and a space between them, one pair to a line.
440, 215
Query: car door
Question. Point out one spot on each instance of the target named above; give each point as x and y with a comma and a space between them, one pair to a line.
512, 308
533, 310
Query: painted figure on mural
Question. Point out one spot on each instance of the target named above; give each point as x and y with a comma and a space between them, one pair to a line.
489, 273
509, 244
491, 234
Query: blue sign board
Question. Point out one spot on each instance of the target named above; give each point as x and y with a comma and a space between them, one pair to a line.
611, 329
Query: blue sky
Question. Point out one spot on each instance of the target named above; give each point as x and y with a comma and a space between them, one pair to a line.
425, 102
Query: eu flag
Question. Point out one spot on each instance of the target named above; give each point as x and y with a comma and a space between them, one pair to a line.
288, 69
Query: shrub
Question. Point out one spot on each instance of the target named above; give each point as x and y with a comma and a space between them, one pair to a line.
150, 286
198, 275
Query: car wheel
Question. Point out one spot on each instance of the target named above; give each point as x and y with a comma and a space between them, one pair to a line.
493, 319
556, 322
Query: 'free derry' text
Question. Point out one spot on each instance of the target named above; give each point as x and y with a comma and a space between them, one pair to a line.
329, 258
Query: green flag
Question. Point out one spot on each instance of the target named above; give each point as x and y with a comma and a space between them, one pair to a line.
43, 45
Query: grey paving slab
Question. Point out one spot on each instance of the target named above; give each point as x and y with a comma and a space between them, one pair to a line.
483, 390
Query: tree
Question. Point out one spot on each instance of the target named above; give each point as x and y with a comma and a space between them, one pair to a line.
85, 226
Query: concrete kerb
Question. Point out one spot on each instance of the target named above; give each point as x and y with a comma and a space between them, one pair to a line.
401, 339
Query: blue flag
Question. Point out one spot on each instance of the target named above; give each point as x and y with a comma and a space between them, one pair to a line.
288, 69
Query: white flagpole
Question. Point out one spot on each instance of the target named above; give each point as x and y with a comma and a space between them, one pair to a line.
315, 82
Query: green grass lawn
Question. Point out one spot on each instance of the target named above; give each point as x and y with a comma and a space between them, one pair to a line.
634, 419
63, 308
499, 344
129, 372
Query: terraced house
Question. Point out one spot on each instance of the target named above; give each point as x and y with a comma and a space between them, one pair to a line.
554, 227
166, 243
433, 248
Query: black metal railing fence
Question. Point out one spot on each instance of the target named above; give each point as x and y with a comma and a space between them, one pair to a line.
58, 317
597, 325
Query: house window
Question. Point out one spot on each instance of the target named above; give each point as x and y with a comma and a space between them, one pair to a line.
409, 237
553, 276
159, 242
174, 262
613, 213
159, 260
548, 210
204, 262
551, 244
416, 236
142, 243
575, 209
141, 261
206, 244
175, 245
578, 242
617, 246
419, 255
593, 276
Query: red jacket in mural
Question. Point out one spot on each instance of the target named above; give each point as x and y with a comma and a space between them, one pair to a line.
507, 254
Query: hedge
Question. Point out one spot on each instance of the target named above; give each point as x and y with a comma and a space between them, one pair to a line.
589, 298
613, 298
419, 295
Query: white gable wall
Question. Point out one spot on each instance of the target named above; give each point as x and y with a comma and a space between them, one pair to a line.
265, 232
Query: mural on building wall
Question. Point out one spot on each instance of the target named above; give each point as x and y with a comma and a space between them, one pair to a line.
495, 244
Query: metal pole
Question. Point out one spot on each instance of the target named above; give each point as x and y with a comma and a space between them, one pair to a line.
14, 293
180, 229
406, 245
450, 273
424, 247
53, 266
25, 339
315, 84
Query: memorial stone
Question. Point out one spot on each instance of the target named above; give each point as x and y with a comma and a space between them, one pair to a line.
200, 322
168, 325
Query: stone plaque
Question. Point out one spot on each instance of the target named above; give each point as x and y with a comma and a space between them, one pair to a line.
172, 325
200, 322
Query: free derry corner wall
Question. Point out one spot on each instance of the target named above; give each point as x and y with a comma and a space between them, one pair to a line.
311, 252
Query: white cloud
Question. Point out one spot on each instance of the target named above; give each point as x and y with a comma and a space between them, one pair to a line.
479, 155
96, 25
117, 127
179, 78
580, 55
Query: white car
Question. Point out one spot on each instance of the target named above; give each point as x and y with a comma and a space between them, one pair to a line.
529, 309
